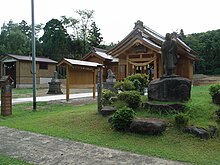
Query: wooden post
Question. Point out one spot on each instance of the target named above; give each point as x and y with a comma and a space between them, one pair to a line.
127, 66
99, 88
67, 82
94, 82
155, 66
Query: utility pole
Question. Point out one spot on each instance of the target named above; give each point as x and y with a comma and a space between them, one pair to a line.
33, 57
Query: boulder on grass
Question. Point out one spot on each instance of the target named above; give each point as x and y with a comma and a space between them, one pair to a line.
199, 132
164, 108
149, 126
107, 110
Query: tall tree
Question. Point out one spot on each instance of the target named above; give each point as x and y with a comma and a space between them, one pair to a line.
94, 37
86, 17
207, 46
55, 40
13, 39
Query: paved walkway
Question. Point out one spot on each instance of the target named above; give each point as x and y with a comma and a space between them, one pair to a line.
40, 149
51, 98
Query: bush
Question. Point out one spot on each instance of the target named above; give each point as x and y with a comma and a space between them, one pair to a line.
106, 95
125, 85
181, 120
214, 89
132, 98
140, 82
122, 118
128, 85
118, 85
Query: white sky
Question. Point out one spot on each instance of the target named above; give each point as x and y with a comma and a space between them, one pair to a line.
116, 18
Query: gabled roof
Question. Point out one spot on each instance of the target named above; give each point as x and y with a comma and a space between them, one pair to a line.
29, 58
78, 62
147, 37
100, 53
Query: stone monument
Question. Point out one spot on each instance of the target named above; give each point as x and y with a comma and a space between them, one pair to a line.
169, 87
110, 81
54, 85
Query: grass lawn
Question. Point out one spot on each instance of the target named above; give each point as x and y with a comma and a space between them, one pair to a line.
82, 123
4, 160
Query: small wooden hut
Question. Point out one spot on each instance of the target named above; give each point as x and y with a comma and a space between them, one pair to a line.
79, 74
20, 69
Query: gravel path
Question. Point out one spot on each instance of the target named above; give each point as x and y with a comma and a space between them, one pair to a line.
40, 149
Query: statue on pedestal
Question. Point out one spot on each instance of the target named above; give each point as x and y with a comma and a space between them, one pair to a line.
169, 55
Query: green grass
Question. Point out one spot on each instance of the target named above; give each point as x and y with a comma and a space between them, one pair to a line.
5, 160
82, 123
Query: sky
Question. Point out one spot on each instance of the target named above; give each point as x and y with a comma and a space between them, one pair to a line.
116, 18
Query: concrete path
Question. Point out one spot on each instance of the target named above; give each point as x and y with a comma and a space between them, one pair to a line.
51, 98
40, 149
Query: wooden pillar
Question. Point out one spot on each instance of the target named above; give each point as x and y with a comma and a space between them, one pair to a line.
94, 82
99, 88
126, 66
155, 66
119, 73
67, 82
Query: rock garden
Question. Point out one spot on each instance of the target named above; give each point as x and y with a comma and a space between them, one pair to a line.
130, 109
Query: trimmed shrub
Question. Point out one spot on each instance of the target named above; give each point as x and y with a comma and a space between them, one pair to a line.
122, 119
118, 85
132, 98
214, 89
106, 95
128, 85
181, 120
125, 85
140, 82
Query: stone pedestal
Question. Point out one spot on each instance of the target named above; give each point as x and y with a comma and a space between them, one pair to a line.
170, 88
54, 85
54, 88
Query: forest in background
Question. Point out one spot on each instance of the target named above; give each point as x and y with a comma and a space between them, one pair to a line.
72, 38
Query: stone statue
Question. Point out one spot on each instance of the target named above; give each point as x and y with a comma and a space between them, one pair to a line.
110, 74
169, 55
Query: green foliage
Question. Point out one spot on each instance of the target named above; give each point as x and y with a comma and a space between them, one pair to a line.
15, 38
94, 37
140, 82
214, 89
125, 85
106, 95
118, 85
136, 82
56, 40
181, 119
132, 98
122, 118
207, 47
128, 85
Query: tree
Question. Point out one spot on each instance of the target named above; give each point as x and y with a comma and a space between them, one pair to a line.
86, 17
55, 40
94, 37
13, 39
207, 46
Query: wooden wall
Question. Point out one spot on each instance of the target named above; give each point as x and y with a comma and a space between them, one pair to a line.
24, 72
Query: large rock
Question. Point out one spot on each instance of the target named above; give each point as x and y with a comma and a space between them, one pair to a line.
148, 126
170, 88
164, 108
199, 132
107, 110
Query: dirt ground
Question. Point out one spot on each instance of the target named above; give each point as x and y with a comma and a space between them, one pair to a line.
200, 79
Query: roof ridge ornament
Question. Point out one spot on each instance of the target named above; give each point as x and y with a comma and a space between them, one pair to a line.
139, 24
